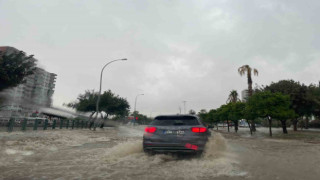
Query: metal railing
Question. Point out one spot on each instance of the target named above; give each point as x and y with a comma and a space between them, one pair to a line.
41, 124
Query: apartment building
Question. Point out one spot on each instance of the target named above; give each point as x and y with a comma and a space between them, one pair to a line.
29, 97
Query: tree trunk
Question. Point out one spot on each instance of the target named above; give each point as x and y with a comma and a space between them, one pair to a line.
217, 127
253, 126
249, 127
236, 126
284, 126
270, 124
295, 122
95, 121
307, 122
102, 120
301, 124
90, 120
249, 83
228, 125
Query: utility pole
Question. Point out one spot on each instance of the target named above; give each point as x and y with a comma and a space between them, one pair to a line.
184, 104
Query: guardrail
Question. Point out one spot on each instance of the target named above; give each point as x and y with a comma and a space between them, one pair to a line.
42, 124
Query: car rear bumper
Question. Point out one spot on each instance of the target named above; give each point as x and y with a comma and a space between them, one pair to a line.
185, 147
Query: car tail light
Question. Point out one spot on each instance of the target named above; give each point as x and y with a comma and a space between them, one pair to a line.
191, 146
150, 129
199, 129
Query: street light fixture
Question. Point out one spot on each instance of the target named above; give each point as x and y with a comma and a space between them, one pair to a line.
98, 101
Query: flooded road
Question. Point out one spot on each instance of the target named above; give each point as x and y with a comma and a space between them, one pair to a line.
116, 153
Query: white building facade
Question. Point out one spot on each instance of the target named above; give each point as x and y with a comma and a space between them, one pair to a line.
29, 97
244, 95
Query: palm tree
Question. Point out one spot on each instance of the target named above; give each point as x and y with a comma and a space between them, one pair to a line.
233, 97
246, 69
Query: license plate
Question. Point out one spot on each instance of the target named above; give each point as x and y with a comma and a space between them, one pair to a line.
174, 132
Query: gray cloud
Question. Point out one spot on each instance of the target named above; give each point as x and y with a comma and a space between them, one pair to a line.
177, 50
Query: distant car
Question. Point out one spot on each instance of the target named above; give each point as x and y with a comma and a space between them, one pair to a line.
175, 133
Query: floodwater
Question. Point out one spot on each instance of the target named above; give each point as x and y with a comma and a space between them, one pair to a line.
116, 153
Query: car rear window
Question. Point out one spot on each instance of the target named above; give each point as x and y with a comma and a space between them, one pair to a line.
175, 121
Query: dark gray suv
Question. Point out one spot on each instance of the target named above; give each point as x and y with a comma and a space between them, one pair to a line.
175, 133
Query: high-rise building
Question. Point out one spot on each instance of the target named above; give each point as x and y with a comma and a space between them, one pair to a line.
244, 95
27, 98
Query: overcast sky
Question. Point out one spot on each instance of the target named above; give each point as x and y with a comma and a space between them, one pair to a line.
176, 50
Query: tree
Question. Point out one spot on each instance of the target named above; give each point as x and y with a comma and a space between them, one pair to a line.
192, 112
246, 69
231, 111
203, 114
270, 105
313, 94
212, 117
301, 101
233, 97
236, 113
114, 105
110, 104
85, 102
14, 67
223, 114
140, 118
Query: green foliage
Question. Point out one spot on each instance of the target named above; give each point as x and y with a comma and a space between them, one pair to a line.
246, 69
233, 111
223, 112
236, 111
192, 112
267, 104
283, 100
14, 68
301, 101
142, 119
233, 97
85, 102
113, 104
313, 94
212, 116
110, 103
203, 114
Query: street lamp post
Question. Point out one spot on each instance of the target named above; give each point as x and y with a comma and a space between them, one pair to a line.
98, 101
135, 105
184, 104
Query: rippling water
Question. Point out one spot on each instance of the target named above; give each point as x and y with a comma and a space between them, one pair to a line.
107, 154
